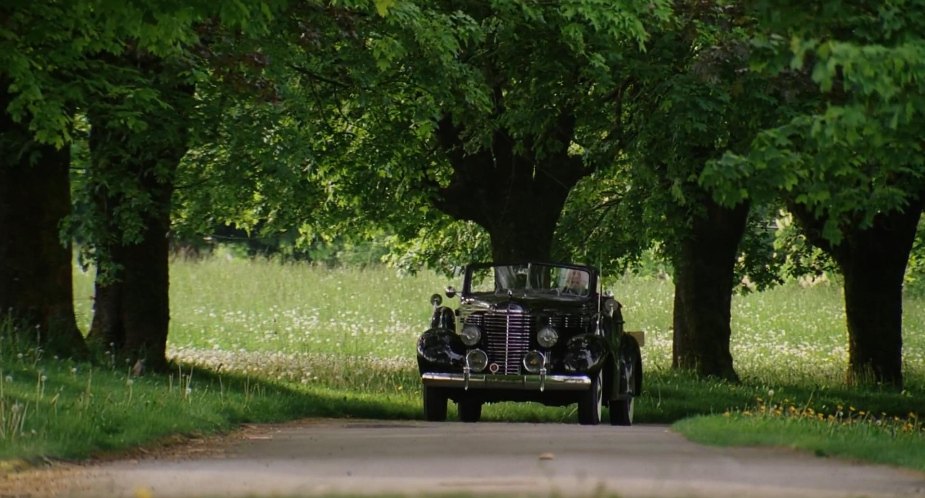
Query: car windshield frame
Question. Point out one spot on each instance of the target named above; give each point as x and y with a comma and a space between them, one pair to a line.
540, 280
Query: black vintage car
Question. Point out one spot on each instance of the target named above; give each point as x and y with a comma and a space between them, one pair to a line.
530, 331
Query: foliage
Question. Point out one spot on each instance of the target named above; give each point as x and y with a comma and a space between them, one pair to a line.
800, 258
685, 100
851, 149
378, 86
605, 222
915, 270
49, 51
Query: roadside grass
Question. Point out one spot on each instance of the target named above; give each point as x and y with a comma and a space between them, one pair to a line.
62, 409
885, 440
261, 341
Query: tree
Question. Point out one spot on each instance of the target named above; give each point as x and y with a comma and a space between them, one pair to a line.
480, 111
35, 265
849, 164
134, 154
53, 58
139, 133
686, 102
40, 52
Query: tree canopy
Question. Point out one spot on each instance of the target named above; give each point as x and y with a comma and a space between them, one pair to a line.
457, 130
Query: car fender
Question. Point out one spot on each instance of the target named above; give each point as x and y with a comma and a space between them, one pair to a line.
440, 349
586, 353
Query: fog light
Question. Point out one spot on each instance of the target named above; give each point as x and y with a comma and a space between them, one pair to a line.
547, 337
534, 361
477, 360
470, 335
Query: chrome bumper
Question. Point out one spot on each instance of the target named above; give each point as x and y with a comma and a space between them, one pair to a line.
517, 382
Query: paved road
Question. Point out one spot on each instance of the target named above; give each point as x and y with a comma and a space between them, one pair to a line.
371, 457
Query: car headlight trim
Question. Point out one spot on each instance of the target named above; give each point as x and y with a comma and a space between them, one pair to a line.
470, 335
547, 337
476, 360
534, 361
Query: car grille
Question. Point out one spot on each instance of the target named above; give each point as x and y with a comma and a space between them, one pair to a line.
506, 338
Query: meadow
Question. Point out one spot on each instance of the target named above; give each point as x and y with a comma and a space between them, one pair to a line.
260, 341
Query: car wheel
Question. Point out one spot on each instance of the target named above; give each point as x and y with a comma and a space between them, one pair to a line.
589, 405
621, 410
470, 410
434, 404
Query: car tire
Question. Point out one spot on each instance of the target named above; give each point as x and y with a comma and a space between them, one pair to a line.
435, 401
469, 410
589, 404
622, 410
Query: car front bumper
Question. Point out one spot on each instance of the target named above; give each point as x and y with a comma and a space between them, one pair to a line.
539, 382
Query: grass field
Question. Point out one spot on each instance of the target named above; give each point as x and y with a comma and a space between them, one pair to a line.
264, 341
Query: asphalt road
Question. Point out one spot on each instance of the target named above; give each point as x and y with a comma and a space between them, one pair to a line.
318, 457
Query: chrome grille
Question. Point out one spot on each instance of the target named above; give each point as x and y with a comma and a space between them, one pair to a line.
506, 336
579, 322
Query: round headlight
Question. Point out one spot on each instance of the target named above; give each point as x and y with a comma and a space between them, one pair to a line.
547, 337
436, 300
470, 335
534, 361
477, 360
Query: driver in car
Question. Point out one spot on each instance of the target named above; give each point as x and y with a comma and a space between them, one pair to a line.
575, 282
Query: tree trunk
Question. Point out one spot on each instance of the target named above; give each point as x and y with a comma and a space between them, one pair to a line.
873, 263
516, 196
132, 168
704, 279
132, 312
36, 274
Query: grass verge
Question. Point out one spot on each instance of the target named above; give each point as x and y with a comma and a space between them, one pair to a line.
888, 441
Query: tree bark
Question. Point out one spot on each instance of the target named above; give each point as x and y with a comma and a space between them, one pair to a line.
704, 279
873, 263
517, 197
36, 274
132, 309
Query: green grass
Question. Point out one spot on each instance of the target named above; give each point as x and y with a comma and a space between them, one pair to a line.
261, 341
888, 442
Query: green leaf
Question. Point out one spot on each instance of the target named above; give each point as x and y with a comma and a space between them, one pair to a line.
383, 6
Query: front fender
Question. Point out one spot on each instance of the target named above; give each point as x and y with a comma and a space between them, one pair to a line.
586, 353
441, 350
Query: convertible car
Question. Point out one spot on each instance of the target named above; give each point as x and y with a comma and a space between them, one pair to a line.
530, 331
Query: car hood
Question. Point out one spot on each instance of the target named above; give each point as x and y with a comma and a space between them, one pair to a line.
529, 303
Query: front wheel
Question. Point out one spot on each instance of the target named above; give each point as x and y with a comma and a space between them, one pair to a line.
469, 410
434, 404
589, 404
630, 384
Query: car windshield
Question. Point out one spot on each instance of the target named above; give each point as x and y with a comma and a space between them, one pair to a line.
530, 280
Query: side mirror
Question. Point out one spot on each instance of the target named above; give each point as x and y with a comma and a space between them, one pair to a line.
450, 292
436, 300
